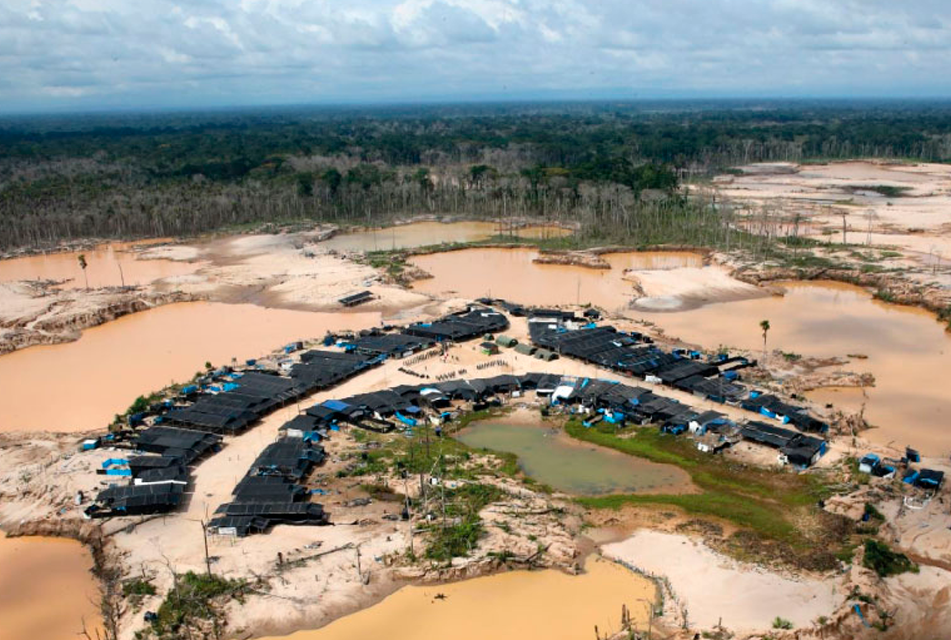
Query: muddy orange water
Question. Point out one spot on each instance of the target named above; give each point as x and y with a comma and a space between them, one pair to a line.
421, 234
103, 265
543, 605
81, 385
511, 274
909, 353
46, 589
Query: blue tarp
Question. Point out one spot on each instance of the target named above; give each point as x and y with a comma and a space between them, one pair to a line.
114, 462
335, 405
230, 386
118, 472
405, 420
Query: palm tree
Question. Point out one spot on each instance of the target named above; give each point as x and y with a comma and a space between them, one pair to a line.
82, 265
764, 325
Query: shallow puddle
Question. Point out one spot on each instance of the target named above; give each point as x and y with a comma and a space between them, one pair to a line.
528, 605
81, 385
421, 234
551, 457
106, 266
46, 589
909, 353
511, 274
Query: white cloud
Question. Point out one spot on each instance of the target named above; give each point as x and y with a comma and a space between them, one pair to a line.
182, 52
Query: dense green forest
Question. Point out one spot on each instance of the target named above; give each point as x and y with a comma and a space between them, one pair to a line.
615, 168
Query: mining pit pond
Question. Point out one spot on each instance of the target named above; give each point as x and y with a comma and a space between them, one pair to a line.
513, 275
47, 589
81, 385
528, 605
551, 457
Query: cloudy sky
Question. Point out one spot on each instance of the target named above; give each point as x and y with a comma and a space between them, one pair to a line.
90, 54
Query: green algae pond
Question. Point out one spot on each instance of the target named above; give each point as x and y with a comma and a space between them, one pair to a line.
551, 457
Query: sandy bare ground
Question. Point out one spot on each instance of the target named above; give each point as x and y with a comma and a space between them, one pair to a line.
713, 587
916, 223
289, 271
688, 287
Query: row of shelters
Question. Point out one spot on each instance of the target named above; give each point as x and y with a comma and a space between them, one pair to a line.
226, 402
635, 355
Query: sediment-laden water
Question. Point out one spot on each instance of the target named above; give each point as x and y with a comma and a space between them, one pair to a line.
551, 457
528, 605
908, 352
81, 385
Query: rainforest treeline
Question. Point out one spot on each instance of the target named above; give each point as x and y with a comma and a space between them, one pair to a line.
617, 169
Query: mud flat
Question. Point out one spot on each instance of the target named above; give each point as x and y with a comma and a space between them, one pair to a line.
46, 589
907, 351
713, 587
421, 234
903, 209
520, 604
514, 274
81, 385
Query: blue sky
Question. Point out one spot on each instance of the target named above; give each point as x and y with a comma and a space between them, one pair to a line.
91, 54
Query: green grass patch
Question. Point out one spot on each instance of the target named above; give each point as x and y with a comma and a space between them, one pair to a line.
767, 503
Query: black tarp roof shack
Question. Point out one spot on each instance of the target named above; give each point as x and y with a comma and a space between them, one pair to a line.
269, 493
290, 458
466, 325
267, 489
177, 473
674, 372
299, 425
319, 370
356, 298
554, 314
136, 500
798, 449
458, 390
929, 479
172, 441
394, 345
504, 383
247, 518
768, 434
772, 407
717, 389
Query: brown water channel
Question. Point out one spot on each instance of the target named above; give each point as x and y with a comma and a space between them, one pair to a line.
511, 274
46, 589
553, 458
909, 353
528, 605
422, 234
106, 266
81, 385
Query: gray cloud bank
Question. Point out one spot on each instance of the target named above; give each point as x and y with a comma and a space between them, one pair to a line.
155, 53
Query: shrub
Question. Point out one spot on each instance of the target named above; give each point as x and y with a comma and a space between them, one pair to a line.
885, 562
782, 623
